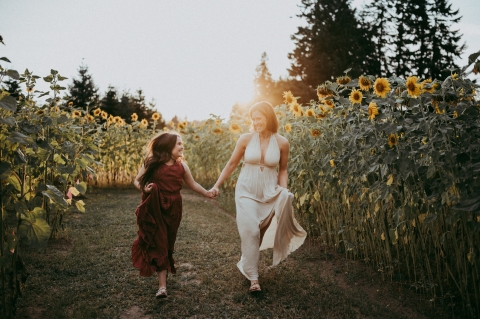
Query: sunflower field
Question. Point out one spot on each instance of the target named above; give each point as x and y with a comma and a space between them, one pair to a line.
383, 169
50, 153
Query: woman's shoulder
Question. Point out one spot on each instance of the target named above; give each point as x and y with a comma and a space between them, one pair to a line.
282, 141
245, 138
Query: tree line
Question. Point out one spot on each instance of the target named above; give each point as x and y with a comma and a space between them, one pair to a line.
383, 39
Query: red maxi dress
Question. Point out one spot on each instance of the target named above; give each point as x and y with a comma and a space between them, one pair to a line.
158, 218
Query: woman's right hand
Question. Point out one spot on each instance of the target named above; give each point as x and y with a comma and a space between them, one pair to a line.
148, 188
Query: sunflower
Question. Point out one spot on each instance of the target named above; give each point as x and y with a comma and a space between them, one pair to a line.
321, 115
455, 76
289, 98
184, 123
342, 80
392, 140
217, 130
323, 91
413, 88
355, 97
455, 114
329, 103
296, 109
97, 112
156, 116
427, 86
309, 112
364, 83
235, 128
134, 117
218, 122
315, 133
90, 118
372, 110
288, 128
76, 114
196, 137
55, 109
70, 104
111, 120
104, 115
171, 124
117, 119
29, 89
40, 112
144, 123
381, 87
332, 163
181, 126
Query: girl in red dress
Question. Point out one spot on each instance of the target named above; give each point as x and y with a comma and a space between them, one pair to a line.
160, 179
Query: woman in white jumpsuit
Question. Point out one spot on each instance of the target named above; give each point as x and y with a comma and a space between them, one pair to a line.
264, 204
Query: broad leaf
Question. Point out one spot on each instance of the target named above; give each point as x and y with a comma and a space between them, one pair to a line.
81, 187
13, 74
37, 232
8, 103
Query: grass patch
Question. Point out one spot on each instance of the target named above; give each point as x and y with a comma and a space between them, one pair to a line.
87, 272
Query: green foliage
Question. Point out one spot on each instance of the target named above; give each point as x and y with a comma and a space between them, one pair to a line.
398, 188
330, 42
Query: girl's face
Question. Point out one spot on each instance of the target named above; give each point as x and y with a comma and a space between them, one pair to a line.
178, 149
259, 122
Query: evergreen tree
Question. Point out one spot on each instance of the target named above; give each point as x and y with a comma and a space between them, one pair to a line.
83, 92
377, 20
415, 38
445, 41
332, 42
263, 80
127, 104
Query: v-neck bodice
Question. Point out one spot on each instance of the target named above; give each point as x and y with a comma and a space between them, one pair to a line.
253, 152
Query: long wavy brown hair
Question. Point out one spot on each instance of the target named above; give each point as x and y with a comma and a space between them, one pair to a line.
159, 151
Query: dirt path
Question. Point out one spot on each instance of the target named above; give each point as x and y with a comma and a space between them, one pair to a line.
87, 273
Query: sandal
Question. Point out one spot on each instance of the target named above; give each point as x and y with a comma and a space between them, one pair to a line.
255, 287
161, 293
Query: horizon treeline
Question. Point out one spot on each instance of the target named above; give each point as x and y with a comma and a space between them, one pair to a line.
382, 39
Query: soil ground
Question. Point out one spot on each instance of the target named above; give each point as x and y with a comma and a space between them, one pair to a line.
86, 273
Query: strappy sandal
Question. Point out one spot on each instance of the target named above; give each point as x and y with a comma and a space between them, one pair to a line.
161, 293
255, 287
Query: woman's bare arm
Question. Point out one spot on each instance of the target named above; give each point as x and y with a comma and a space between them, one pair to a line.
232, 163
282, 169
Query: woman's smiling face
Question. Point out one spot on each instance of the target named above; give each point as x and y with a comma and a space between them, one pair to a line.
259, 121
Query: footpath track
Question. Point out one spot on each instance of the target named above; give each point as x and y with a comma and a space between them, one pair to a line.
87, 273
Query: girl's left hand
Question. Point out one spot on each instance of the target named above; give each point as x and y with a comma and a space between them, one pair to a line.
147, 189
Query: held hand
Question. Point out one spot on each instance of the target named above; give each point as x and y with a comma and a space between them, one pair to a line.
214, 191
210, 194
147, 189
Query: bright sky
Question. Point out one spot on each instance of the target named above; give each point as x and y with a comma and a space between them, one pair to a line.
193, 57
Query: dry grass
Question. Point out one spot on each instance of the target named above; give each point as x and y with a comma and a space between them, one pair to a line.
88, 273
